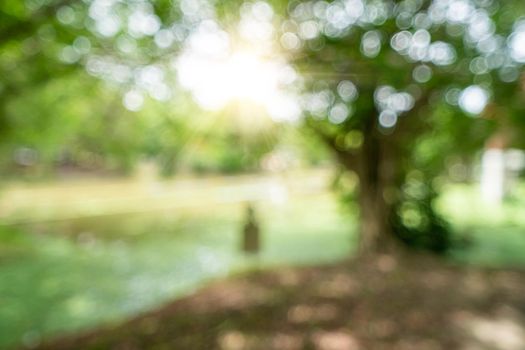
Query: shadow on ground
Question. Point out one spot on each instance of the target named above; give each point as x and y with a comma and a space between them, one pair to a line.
417, 302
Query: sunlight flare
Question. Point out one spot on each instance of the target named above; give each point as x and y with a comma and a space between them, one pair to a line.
218, 74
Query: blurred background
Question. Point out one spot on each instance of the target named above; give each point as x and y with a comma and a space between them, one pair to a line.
135, 134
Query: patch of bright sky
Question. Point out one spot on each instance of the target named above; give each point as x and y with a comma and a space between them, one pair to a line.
516, 42
473, 99
392, 104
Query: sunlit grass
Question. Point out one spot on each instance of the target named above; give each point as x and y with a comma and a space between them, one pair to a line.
88, 198
496, 232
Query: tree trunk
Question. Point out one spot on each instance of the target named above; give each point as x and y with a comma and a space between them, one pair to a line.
377, 164
376, 234
377, 170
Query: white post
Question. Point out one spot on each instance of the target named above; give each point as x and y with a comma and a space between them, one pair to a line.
493, 175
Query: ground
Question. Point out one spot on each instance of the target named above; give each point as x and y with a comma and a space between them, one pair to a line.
414, 302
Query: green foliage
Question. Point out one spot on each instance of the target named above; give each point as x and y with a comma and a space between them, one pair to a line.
415, 219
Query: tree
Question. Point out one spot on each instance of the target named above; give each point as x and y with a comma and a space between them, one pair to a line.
384, 80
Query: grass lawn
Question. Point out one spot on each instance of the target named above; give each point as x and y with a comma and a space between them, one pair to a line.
90, 256
68, 274
497, 232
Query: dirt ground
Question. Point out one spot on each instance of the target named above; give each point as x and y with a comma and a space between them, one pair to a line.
417, 302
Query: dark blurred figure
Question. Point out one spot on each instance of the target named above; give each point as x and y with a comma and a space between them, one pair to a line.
250, 242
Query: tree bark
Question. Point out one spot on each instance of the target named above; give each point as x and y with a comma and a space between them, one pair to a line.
377, 170
377, 165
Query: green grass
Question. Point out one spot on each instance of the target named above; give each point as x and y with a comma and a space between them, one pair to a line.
497, 232
69, 275
59, 276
